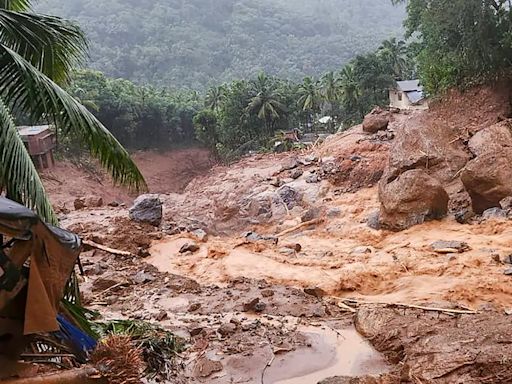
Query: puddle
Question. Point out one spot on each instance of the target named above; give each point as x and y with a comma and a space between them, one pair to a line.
342, 353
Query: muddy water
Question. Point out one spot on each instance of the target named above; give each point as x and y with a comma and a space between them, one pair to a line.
341, 353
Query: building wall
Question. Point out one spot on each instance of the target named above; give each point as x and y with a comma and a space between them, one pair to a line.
404, 103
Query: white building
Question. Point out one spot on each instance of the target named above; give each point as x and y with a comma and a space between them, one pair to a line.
407, 94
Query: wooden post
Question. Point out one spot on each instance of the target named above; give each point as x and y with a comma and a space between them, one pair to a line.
75, 376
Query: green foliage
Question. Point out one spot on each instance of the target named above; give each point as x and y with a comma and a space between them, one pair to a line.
141, 117
201, 43
206, 126
36, 53
461, 42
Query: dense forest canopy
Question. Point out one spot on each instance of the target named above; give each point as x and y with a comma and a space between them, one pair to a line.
199, 43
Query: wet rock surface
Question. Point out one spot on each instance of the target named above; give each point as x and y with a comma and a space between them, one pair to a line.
147, 209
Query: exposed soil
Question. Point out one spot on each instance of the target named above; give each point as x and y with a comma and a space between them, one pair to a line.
269, 299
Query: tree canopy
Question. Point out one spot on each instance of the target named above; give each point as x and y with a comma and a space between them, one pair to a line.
200, 43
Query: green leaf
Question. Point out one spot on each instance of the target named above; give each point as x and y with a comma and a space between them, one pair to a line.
31, 92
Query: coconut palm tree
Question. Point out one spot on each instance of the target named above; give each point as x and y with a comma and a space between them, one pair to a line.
395, 54
331, 92
309, 97
265, 102
37, 54
214, 97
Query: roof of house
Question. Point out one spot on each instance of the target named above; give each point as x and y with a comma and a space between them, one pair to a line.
412, 89
33, 130
409, 85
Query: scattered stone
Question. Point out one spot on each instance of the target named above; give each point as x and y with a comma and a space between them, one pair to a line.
289, 165
204, 367
508, 311
147, 209
143, 252
308, 160
161, 316
249, 306
79, 204
227, 329
507, 259
495, 213
286, 251
463, 216
296, 173
311, 214
356, 158
142, 277
376, 120
113, 204
312, 178
315, 292
93, 202
260, 306
194, 307
289, 196
295, 246
496, 258
200, 235
267, 293
361, 250
506, 203
508, 272
333, 212
373, 220
254, 237
276, 182
189, 247
102, 284
196, 331
443, 246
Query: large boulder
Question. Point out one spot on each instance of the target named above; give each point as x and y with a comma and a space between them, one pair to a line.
493, 139
376, 120
488, 180
147, 209
411, 198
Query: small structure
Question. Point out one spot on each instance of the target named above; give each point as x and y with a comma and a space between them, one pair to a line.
40, 142
407, 94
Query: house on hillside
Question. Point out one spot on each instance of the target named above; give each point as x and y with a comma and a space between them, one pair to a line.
40, 142
407, 94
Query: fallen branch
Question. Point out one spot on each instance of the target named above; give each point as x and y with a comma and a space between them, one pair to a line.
302, 225
113, 251
430, 309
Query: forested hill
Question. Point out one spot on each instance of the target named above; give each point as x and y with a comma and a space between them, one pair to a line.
196, 43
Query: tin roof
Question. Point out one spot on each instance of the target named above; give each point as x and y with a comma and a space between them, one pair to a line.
409, 85
33, 130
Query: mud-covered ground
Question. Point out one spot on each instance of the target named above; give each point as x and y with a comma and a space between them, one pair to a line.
294, 282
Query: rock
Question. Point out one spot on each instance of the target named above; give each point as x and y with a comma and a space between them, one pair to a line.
508, 311
311, 214
373, 220
200, 235
363, 250
495, 213
296, 173
194, 307
113, 204
376, 120
286, 251
444, 246
142, 277
333, 212
196, 331
315, 291
260, 306
267, 293
294, 246
227, 329
102, 284
289, 196
289, 165
204, 367
79, 203
276, 182
506, 203
488, 180
94, 202
161, 316
312, 178
189, 247
249, 306
411, 198
508, 272
308, 160
147, 209
491, 139
507, 259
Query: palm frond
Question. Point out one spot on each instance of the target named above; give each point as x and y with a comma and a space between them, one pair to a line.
18, 175
31, 92
16, 5
52, 45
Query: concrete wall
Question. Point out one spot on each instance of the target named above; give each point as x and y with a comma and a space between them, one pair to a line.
395, 102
